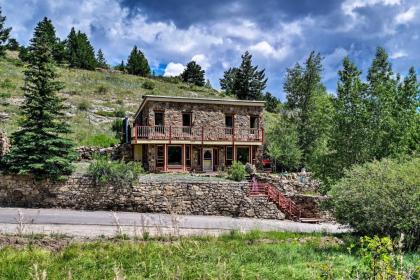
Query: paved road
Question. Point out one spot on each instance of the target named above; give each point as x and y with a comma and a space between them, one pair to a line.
106, 223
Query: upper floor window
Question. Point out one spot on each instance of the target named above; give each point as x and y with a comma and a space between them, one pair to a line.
159, 119
229, 120
186, 119
254, 121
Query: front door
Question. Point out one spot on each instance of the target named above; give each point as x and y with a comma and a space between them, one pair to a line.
207, 159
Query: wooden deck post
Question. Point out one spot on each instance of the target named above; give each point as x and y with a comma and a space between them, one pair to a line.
183, 158
165, 157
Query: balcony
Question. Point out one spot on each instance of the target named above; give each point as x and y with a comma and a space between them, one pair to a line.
203, 135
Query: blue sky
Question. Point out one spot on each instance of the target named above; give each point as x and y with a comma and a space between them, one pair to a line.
215, 33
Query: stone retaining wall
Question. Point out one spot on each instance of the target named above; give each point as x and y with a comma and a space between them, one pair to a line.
196, 198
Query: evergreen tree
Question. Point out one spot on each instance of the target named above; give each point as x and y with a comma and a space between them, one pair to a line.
245, 82
100, 60
271, 102
193, 74
57, 47
39, 147
4, 34
137, 63
12, 45
79, 51
23, 54
120, 67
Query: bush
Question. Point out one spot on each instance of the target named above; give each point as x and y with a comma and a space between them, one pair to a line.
381, 198
117, 127
83, 105
99, 140
105, 171
102, 89
237, 171
148, 85
120, 113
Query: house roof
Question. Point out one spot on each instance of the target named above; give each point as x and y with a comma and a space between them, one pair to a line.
199, 100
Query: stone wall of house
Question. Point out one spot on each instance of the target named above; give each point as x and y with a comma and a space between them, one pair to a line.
194, 198
4, 143
203, 115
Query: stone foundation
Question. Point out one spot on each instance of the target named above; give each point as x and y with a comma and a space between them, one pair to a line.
188, 198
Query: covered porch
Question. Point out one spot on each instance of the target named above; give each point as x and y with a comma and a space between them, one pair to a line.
192, 157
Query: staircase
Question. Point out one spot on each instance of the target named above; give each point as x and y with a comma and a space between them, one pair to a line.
286, 205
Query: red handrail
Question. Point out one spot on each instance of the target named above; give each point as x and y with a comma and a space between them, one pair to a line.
285, 204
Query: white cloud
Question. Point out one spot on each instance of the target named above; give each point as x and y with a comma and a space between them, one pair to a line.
407, 16
202, 60
398, 54
267, 50
173, 69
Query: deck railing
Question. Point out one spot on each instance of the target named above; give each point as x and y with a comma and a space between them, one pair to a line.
193, 133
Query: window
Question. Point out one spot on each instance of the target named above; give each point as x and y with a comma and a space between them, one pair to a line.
229, 124
186, 123
174, 155
159, 119
229, 155
160, 156
254, 122
188, 155
243, 154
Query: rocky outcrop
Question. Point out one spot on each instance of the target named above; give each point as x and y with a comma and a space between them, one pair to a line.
4, 144
292, 183
190, 198
119, 152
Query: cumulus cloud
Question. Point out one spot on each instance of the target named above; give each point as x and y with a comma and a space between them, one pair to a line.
216, 33
406, 16
173, 69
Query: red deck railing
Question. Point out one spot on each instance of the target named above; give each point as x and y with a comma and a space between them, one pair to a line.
284, 203
193, 133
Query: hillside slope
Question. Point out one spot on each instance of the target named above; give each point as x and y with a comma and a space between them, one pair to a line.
94, 98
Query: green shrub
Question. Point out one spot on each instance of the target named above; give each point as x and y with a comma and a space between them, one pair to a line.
102, 89
117, 128
7, 84
99, 140
148, 85
83, 105
237, 171
105, 171
380, 198
380, 259
120, 113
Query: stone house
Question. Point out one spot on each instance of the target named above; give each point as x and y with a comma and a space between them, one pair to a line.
196, 134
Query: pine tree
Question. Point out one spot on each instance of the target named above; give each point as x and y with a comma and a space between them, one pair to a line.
271, 102
57, 47
4, 34
23, 54
100, 60
193, 74
137, 63
39, 147
79, 51
120, 67
12, 45
245, 82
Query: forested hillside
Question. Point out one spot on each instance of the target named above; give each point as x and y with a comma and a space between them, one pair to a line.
95, 98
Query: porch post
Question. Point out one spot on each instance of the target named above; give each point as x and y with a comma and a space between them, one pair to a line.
183, 158
165, 157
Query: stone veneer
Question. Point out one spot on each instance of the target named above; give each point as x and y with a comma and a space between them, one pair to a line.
190, 198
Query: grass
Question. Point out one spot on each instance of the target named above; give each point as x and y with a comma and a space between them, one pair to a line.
255, 255
89, 95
